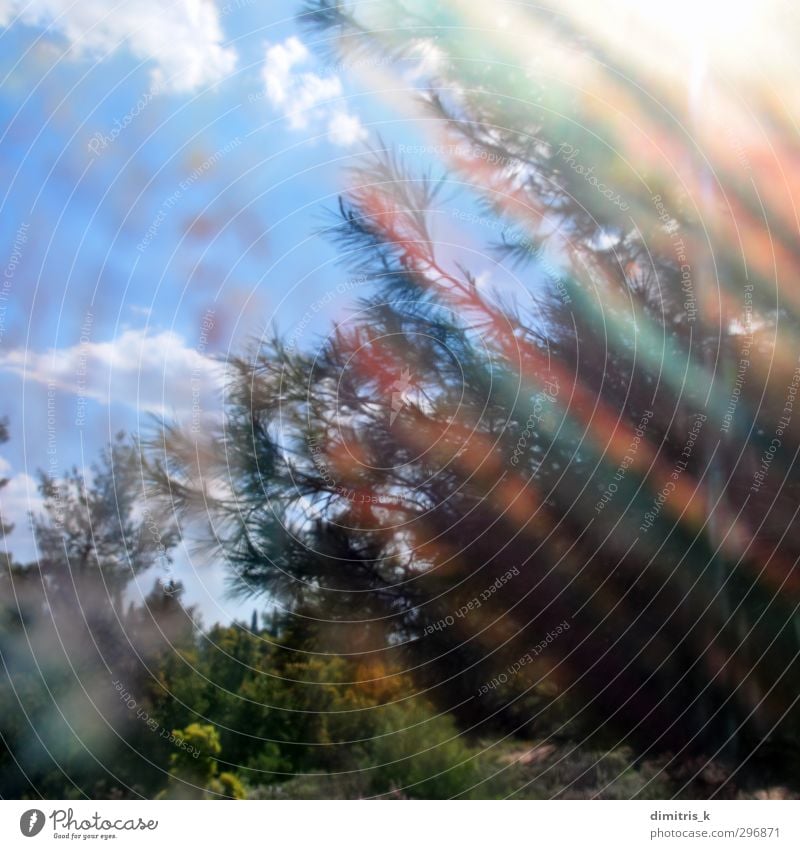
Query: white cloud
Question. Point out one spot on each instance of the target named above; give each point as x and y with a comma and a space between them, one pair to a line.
277, 72
308, 91
18, 498
345, 129
156, 373
306, 98
182, 37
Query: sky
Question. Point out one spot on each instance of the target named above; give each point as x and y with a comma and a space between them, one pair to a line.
165, 168
166, 171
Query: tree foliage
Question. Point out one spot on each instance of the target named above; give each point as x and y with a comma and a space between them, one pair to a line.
571, 432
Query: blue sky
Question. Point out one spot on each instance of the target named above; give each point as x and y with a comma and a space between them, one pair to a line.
162, 165
151, 179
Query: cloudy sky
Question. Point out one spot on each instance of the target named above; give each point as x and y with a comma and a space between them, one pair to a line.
164, 170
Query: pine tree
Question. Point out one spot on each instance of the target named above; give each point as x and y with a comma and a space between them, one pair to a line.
458, 471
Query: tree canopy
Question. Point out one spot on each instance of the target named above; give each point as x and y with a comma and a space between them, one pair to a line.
458, 468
